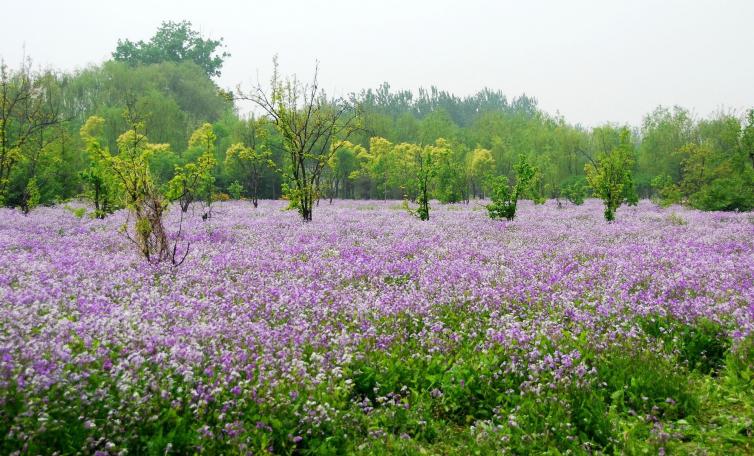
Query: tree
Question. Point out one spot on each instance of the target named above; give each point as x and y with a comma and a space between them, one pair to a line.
31, 196
386, 167
424, 158
130, 168
343, 164
480, 169
195, 180
251, 159
664, 132
174, 42
451, 179
505, 196
28, 110
250, 155
101, 188
610, 176
235, 190
313, 128
574, 190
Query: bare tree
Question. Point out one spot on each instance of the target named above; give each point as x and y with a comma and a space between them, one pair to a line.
312, 127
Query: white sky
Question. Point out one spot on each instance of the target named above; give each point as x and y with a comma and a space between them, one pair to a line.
591, 60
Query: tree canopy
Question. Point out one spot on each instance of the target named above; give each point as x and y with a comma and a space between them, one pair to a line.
174, 42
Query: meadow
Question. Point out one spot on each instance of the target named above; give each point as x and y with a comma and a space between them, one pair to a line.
367, 331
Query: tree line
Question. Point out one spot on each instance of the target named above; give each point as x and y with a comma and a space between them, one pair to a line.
60, 134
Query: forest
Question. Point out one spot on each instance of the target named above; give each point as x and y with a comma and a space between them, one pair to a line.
166, 86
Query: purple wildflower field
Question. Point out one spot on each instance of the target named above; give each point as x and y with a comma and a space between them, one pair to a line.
269, 316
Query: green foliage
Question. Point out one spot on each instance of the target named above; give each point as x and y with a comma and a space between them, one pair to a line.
129, 168
312, 128
504, 196
291, 193
29, 112
610, 176
726, 194
426, 163
166, 85
174, 42
643, 382
664, 131
714, 168
451, 178
101, 186
575, 192
196, 180
480, 168
700, 346
31, 196
78, 212
666, 191
249, 159
739, 365
170, 99
343, 168
235, 190
392, 167
747, 136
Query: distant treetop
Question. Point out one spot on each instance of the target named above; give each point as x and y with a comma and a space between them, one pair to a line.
174, 42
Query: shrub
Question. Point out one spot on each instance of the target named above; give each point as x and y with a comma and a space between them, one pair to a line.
504, 196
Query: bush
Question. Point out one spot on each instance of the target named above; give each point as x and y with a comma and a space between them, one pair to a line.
726, 194
235, 190
575, 192
504, 196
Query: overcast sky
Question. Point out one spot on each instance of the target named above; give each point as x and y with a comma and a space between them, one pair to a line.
591, 60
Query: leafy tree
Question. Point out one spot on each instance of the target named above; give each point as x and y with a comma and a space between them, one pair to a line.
130, 168
437, 124
235, 190
101, 188
390, 167
575, 191
29, 109
425, 159
505, 196
610, 176
174, 42
664, 132
249, 157
480, 169
666, 190
313, 128
342, 165
32, 196
170, 99
451, 179
251, 160
730, 193
195, 180
696, 165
